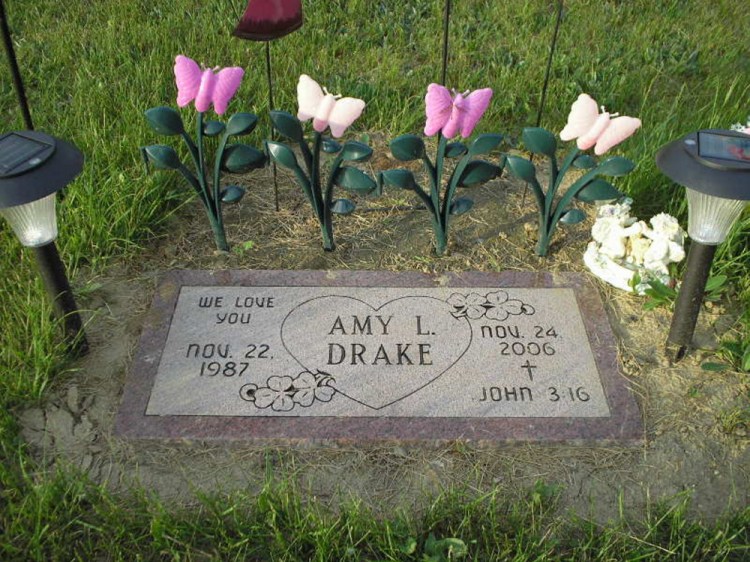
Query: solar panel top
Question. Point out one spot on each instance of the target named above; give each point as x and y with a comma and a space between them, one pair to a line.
19, 154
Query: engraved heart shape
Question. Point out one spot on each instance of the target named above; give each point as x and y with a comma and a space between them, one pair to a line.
376, 355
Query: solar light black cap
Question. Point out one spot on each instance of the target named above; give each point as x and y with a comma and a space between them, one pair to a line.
34, 165
681, 162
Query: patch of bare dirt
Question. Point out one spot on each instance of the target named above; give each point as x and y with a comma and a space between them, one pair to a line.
690, 447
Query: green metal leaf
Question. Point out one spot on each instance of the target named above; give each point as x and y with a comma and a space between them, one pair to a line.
478, 172
572, 216
403, 179
353, 179
144, 157
282, 154
502, 161
355, 151
165, 121
407, 147
342, 206
598, 190
615, 166
162, 157
240, 158
461, 205
232, 194
455, 150
584, 162
242, 124
486, 143
213, 128
288, 125
521, 168
331, 146
539, 141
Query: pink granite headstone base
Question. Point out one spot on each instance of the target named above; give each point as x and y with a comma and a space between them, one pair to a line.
349, 356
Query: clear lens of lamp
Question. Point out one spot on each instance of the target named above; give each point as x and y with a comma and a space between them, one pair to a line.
34, 223
711, 218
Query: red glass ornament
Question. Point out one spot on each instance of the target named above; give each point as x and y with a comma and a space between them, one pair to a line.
264, 20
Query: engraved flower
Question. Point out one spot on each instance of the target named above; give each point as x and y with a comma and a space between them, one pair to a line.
310, 387
500, 306
247, 392
278, 394
471, 305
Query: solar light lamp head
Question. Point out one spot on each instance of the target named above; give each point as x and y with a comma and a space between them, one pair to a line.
710, 218
33, 167
34, 223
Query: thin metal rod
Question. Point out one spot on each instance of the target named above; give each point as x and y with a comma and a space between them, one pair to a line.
52, 271
269, 76
269, 79
552, 49
689, 299
15, 72
545, 84
446, 26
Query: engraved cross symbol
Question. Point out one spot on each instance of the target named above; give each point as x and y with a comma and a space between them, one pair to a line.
528, 366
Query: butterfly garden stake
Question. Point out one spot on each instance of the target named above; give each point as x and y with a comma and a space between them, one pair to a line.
206, 87
326, 111
590, 128
448, 115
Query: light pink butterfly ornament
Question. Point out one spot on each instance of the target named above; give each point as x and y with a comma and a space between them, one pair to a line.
592, 128
325, 109
206, 86
453, 113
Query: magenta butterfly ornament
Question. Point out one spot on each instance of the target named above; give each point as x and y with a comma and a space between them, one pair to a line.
590, 128
449, 114
206, 87
264, 20
326, 111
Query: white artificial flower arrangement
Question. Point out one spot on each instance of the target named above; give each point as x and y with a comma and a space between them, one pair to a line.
623, 246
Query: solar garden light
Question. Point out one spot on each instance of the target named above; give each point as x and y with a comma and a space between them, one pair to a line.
33, 167
714, 166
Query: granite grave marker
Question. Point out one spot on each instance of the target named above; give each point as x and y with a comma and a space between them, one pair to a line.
376, 355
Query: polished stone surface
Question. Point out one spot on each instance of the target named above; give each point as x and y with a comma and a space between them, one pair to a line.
314, 355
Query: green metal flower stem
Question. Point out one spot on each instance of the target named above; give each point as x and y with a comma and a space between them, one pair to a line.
441, 210
546, 225
320, 201
315, 176
328, 201
219, 156
199, 181
549, 215
450, 190
439, 161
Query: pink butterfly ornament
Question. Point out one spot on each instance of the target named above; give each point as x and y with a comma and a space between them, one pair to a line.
453, 113
592, 128
205, 86
325, 109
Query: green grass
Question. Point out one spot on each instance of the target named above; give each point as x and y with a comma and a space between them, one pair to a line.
66, 518
92, 68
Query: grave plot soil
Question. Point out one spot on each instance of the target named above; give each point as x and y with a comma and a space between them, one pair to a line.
692, 444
